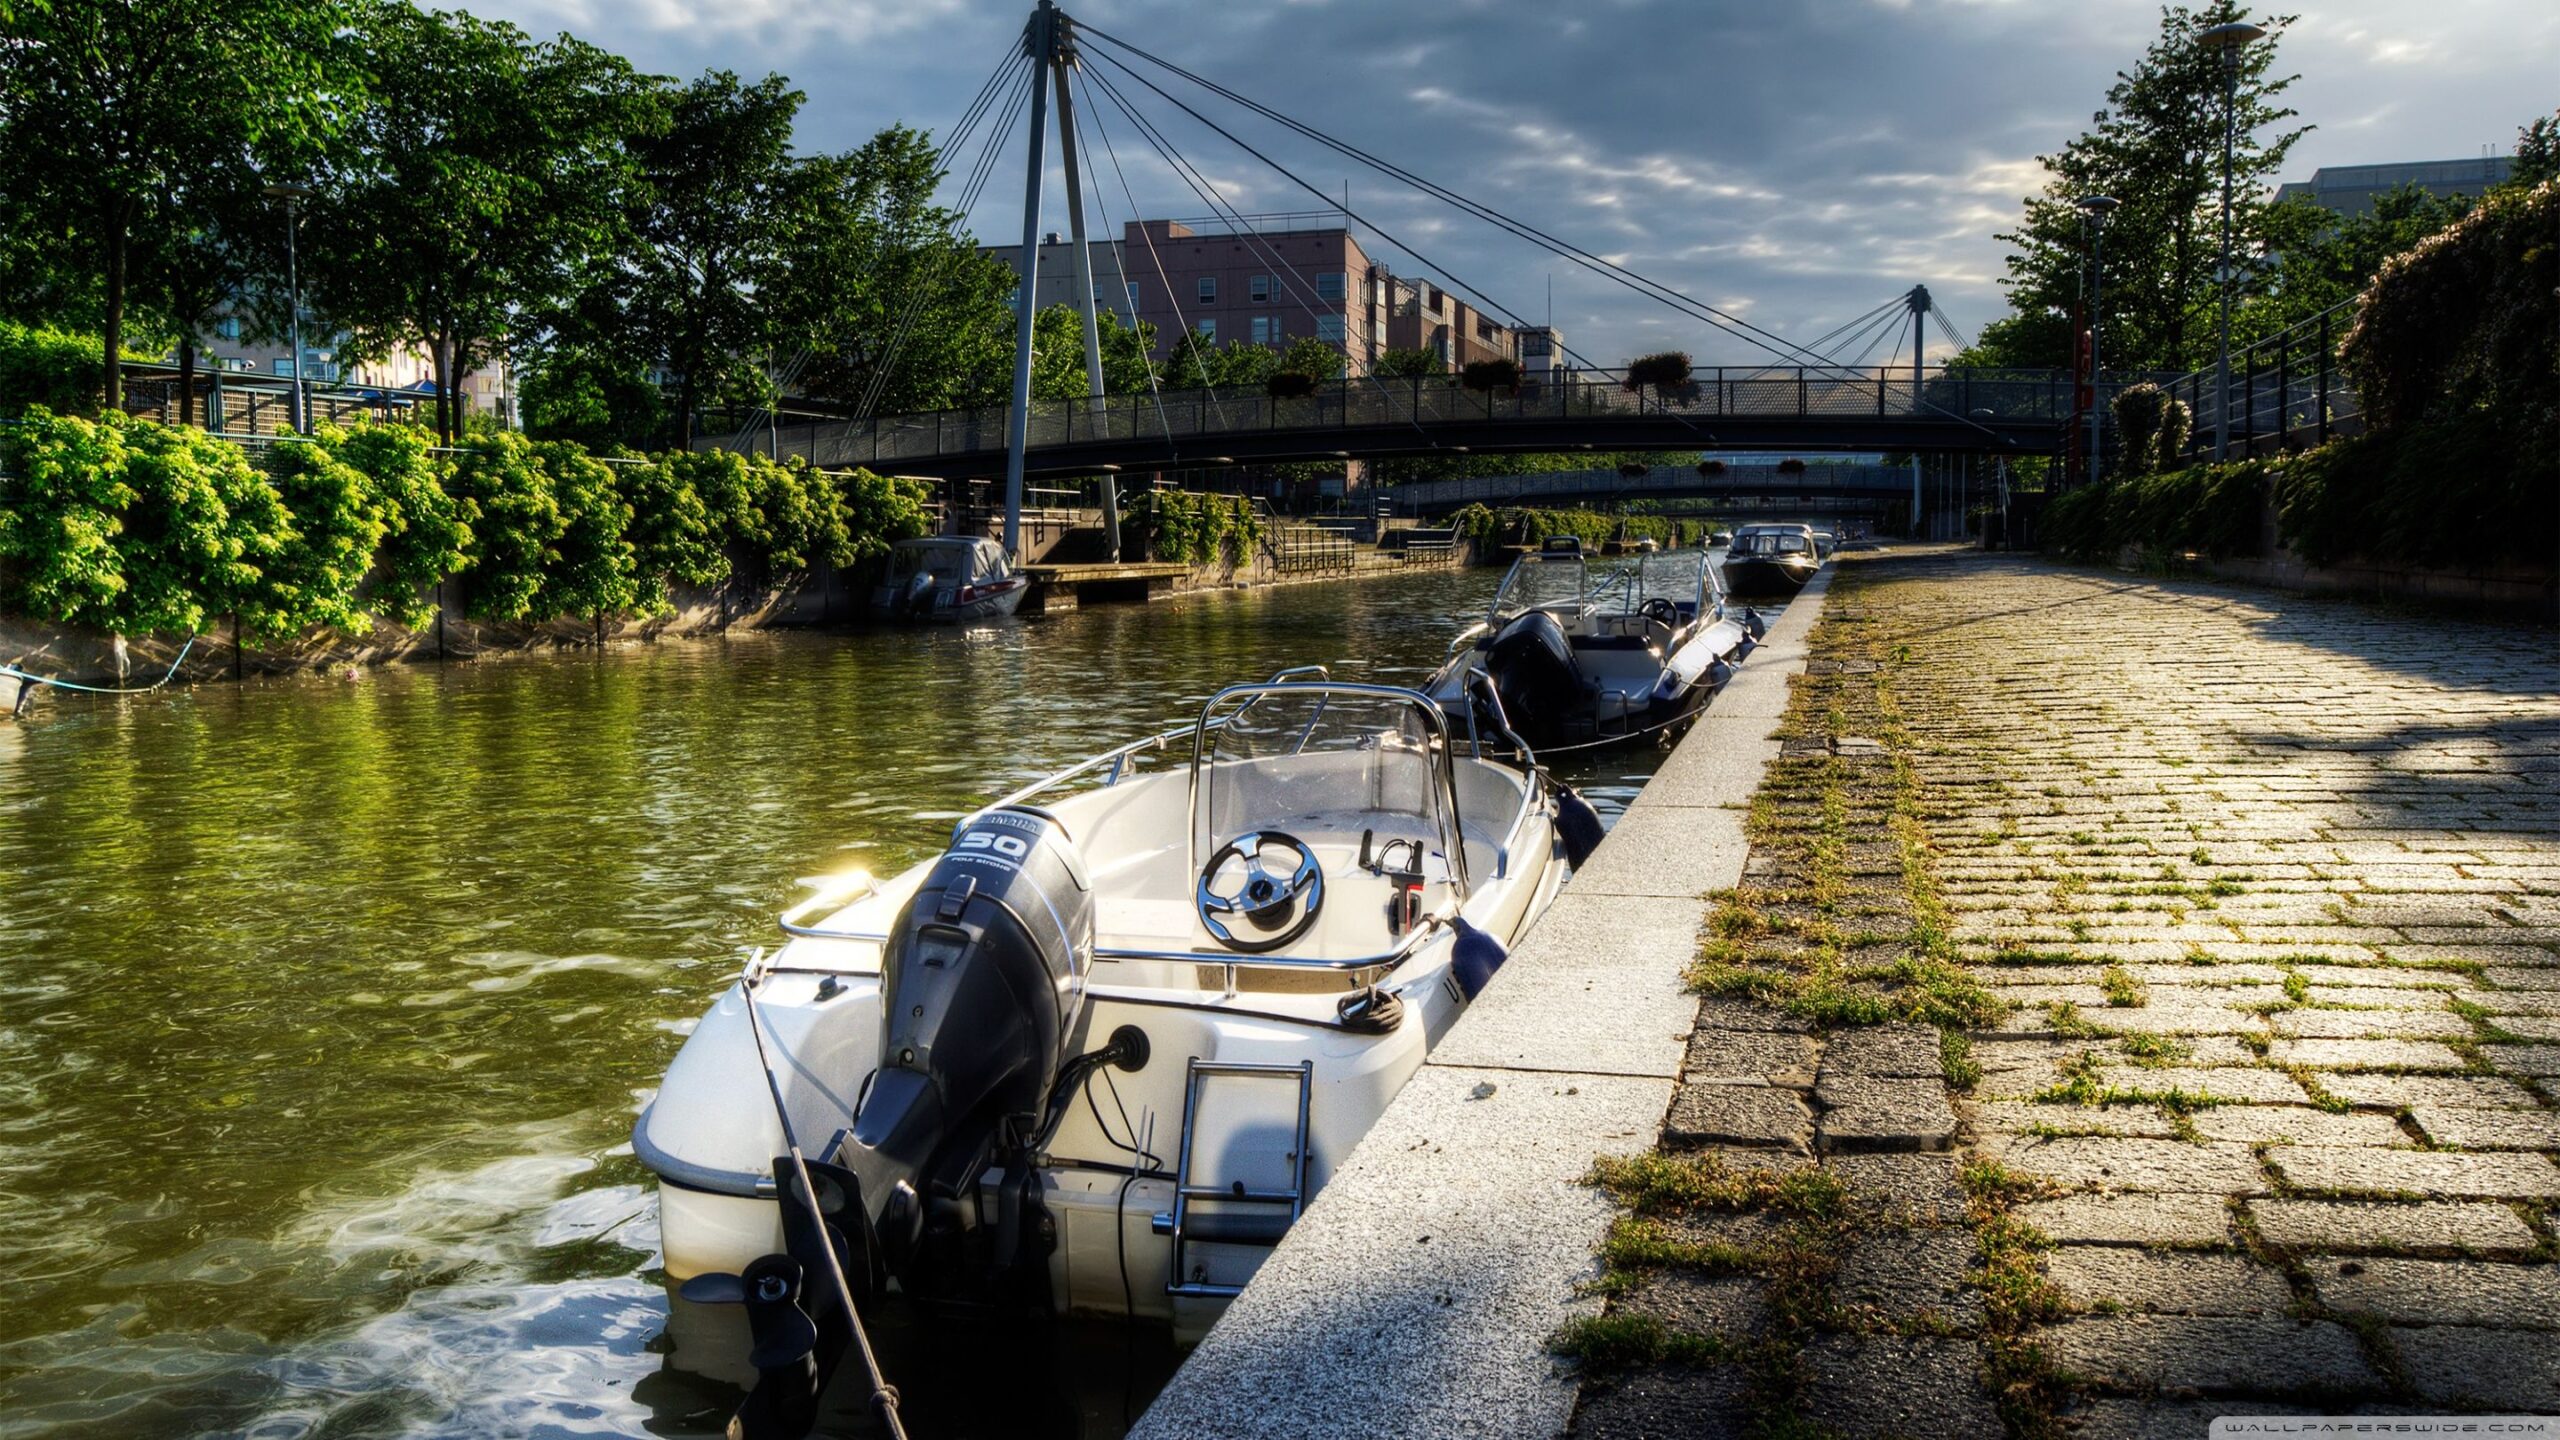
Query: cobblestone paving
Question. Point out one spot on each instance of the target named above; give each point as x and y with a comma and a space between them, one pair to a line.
2142, 1003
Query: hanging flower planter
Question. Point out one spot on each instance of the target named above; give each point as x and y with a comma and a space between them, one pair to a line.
1710, 468
1791, 467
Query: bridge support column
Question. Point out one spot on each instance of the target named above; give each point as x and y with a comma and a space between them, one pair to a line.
1040, 39
1068, 151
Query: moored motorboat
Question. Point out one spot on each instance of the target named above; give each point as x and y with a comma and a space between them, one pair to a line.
1103, 1049
949, 579
1578, 660
1770, 560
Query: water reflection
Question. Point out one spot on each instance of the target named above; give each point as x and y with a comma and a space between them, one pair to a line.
326, 1002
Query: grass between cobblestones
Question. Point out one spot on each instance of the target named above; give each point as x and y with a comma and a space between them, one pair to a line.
2071, 874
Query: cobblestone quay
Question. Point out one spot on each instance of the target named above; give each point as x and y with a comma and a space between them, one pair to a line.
2142, 1003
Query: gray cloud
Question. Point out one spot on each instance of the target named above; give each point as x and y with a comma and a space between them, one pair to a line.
1794, 162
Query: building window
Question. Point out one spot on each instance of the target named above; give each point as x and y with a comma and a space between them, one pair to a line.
1133, 297
1266, 329
284, 365
1484, 328
1258, 289
1208, 289
1013, 301
227, 328
1209, 331
1329, 327
1329, 285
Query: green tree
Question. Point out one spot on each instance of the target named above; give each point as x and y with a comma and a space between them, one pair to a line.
1057, 359
883, 295
1409, 361
714, 197
590, 394
2324, 259
114, 117
2157, 150
483, 178
2537, 152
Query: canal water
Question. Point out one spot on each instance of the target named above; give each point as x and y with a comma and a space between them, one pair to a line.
326, 1003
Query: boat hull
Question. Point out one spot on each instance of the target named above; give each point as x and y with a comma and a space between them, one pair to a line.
1766, 577
945, 607
710, 1134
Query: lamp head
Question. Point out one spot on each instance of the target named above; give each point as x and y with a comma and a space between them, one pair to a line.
287, 190
2098, 207
2232, 36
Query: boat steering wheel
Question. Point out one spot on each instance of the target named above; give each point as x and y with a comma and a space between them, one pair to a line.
1662, 612
1280, 905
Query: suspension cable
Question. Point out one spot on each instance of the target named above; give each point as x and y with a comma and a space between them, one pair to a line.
1171, 298
1244, 230
1165, 423
1661, 293
968, 123
886, 362
1486, 301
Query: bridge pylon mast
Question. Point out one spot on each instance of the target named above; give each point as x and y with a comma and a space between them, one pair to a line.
1039, 38
1063, 66
1918, 300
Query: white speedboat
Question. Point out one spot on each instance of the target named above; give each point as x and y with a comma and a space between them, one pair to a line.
1104, 1048
1578, 661
949, 579
1772, 559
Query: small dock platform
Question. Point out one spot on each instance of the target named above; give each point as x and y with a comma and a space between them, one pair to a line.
1066, 587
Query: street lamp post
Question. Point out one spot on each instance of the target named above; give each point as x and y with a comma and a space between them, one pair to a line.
2097, 208
2231, 39
291, 194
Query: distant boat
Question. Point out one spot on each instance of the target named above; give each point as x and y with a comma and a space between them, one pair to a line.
1567, 658
1770, 560
949, 579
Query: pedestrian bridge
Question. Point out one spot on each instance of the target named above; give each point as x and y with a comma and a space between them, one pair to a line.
1818, 485
1776, 408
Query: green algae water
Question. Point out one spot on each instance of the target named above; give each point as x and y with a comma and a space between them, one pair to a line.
326, 1003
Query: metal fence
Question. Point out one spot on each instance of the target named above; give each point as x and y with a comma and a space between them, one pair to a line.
241, 403
2286, 391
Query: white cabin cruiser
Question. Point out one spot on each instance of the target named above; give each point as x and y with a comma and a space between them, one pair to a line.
1577, 660
1104, 1048
949, 579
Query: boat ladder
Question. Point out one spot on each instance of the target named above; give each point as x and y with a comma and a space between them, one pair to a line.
1228, 1223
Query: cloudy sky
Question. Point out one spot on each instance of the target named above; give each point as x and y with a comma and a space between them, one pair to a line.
1793, 161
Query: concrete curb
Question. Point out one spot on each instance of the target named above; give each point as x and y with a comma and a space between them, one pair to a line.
1417, 1294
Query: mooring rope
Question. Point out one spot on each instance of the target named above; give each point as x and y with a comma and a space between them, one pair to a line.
28, 680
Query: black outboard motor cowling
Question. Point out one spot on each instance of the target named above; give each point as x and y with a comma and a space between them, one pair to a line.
1530, 662
982, 990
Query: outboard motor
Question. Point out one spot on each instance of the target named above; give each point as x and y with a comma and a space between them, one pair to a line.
917, 598
1531, 665
982, 989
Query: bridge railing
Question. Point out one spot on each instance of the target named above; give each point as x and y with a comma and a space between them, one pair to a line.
1192, 420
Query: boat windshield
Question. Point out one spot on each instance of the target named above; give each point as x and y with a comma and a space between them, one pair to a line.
1322, 760
1681, 577
1771, 542
1543, 581
943, 562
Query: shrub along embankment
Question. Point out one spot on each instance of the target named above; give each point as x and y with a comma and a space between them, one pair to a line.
123, 527
2454, 489
1196, 529
1491, 529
